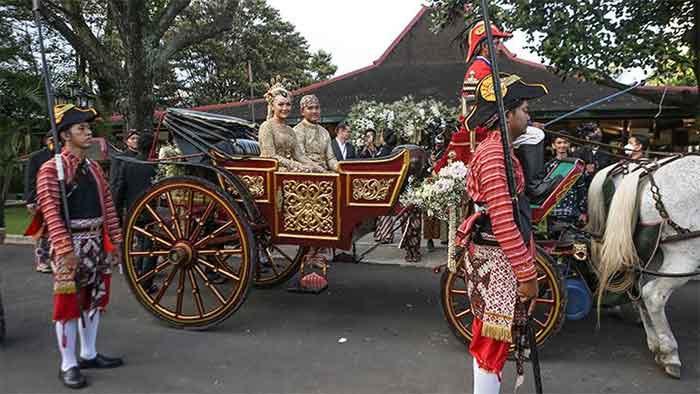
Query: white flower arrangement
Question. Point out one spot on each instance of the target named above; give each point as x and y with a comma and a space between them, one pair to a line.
435, 194
412, 119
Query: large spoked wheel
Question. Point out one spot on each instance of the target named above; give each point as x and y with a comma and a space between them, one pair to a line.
548, 315
188, 253
277, 263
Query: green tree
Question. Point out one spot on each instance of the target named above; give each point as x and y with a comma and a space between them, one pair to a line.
601, 38
21, 100
144, 53
217, 70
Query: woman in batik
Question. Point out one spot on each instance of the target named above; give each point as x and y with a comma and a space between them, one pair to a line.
278, 140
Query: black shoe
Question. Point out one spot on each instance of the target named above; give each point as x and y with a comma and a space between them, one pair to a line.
72, 378
100, 362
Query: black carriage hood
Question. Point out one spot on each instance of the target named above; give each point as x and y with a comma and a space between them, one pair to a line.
196, 132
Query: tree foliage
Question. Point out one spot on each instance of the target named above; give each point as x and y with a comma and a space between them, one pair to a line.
217, 70
144, 53
601, 38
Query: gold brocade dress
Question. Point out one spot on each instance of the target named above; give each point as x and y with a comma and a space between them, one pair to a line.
315, 142
278, 141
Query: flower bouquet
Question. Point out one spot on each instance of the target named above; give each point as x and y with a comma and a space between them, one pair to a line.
436, 194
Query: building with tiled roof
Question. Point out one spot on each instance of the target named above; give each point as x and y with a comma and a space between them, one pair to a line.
424, 64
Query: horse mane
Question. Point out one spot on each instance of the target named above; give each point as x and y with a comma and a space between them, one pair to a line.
597, 213
617, 253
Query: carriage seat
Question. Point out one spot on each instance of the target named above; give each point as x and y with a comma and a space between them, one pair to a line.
239, 147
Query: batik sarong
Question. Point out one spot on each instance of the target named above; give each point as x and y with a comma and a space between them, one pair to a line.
88, 284
492, 288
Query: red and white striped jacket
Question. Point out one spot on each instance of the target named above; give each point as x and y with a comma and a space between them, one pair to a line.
49, 202
487, 183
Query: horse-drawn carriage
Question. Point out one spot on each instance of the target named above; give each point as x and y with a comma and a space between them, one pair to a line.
236, 222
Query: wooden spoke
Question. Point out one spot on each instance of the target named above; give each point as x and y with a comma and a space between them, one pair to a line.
272, 261
464, 313
195, 292
280, 251
173, 214
218, 269
153, 236
460, 292
226, 239
160, 221
166, 284
545, 301
153, 253
216, 232
202, 220
160, 267
222, 252
209, 285
539, 323
180, 293
188, 215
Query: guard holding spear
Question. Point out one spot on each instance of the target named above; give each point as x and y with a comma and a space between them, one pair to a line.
75, 208
501, 274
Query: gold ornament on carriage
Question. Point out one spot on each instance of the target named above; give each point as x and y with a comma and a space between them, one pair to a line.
254, 183
308, 207
371, 189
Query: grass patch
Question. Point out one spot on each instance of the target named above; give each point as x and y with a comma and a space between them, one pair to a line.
16, 219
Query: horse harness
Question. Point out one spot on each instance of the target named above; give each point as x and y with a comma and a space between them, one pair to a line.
682, 233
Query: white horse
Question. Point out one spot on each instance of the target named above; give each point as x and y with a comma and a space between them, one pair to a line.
679, 185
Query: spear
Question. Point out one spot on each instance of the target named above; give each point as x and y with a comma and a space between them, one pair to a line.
510, 174
36, 9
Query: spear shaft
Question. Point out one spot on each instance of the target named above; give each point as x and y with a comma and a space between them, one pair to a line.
36, 9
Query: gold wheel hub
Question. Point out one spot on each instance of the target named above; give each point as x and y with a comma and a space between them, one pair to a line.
182, 254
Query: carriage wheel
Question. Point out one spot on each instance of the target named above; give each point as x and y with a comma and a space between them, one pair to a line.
188, 253
277, 263
549, 312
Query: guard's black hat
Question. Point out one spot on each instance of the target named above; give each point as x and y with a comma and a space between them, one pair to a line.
68, 114
514, 90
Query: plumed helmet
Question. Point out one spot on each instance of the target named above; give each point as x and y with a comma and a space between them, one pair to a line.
477, 35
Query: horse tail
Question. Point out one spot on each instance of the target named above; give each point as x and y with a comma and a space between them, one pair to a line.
596, 202
617, 252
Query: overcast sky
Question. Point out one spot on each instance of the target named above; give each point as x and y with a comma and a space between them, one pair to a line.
357, 32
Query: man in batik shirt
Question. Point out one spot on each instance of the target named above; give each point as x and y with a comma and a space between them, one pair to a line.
573, 207
313, 138
82, 251
500, 251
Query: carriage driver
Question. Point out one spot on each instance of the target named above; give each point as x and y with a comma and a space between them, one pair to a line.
500, 253
82, 251
314, 139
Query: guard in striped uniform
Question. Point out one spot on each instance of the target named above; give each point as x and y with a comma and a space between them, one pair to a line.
500, 252
82, 251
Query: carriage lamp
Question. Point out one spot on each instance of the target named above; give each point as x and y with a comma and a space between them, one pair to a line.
75, 93
61, 97
84, 99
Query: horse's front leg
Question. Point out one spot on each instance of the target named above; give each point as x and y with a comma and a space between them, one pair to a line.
652, 338
655, 295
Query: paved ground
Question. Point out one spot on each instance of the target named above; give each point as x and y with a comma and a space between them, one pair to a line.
397, 342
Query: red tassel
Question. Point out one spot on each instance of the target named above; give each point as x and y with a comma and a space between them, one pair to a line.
106, 242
